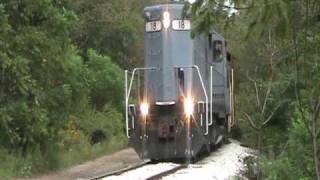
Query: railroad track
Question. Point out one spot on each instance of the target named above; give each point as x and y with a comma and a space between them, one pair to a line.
224, 163
121, 171
145, 170
165, 173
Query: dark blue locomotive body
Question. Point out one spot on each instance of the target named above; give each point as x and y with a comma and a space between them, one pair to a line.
181, 101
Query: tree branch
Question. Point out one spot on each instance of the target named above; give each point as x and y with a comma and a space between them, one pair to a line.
271, 52
256, 88
284, 147
266, 98
316, 116
271, 115
296, 83
2, 82
238, 8
251, 122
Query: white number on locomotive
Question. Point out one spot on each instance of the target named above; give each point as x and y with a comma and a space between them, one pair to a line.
181, 25
153, 26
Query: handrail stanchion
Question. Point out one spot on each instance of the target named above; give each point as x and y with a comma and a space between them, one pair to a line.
206, 96
204, 91
128, 91
211, 102
126, 99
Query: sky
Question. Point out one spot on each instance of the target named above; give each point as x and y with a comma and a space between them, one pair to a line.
227, 3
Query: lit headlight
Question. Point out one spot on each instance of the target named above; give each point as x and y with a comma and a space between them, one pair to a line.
188, 106
166, 19
144, 108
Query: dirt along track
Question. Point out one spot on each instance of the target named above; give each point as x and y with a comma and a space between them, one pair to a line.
118, 160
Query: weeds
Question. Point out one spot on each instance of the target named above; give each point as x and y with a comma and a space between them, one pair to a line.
34, 163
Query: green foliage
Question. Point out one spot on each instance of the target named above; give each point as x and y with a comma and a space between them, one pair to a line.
296, 157
13, 165
51, 99
34, 99
288, 33
280, 169
112, 28
108, 120
105, 81
207, 14
269, 13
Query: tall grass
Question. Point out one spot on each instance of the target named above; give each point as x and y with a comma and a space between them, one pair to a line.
13, 165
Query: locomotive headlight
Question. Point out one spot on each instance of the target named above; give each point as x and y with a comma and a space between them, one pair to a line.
166, 19
144, 108
188, 106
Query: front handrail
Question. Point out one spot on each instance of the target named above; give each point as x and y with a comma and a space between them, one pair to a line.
232, 108
128, 91
211, 102
212, 68
204, 91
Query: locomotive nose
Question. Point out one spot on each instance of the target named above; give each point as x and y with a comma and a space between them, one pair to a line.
165, 121
163, 129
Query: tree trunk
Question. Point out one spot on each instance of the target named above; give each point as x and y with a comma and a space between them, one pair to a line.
2, 84
259, 153
314, 146
315, 156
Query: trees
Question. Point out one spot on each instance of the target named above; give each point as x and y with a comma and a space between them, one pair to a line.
294, 26
58, 74
35, 45
306, 48
292, 22
104, 79
47, 90
112, 28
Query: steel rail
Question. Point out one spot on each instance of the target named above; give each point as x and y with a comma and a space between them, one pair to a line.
166, 173
121, 171
153, 177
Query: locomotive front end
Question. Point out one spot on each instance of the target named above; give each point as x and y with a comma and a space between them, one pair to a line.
167, 105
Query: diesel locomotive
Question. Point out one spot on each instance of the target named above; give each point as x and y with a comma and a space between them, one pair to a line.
180, 103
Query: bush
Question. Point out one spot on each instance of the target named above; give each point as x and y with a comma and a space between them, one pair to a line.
105, 81
109, 122
295, 161
51, 102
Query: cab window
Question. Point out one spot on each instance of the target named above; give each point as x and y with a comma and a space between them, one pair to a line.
217, 51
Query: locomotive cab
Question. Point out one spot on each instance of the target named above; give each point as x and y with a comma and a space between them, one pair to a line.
177, 104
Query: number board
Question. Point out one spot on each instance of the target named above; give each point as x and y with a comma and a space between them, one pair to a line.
181, 25
153, 26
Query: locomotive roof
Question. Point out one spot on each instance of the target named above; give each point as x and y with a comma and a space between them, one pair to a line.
174, 5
